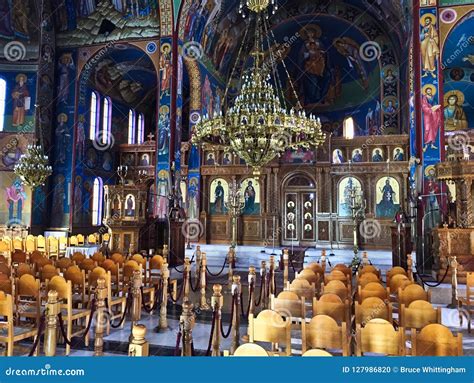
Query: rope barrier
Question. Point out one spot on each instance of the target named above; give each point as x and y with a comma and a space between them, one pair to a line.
41, 327
157, 303
213, 325
128, 304
63, 331
198, 281
86, 331
436, 284
178, 342
181, 289
257, 303
225, 335
219, 273
292, 265
242, 302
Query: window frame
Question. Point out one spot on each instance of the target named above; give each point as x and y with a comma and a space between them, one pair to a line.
97, 203
3, 102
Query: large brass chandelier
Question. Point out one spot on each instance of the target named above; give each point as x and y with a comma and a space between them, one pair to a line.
32, 167
259, 126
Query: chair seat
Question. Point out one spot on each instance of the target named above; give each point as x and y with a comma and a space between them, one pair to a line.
76, 313
118, 300
17, 331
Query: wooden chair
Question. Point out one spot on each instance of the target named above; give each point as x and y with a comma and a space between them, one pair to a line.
317, 269
302, 288
418, 315
53, 247
290, 306
4, 247
372, 308
316, 352
87, 265
5, 269
35, 255
64, 290
372, 289
28, 298
80, 240
249, 349
397, 270
411, 293
98, 258
436, 340
77, 277
309, 275
47, 272
9, 333
397, 282
78, 257
332, 305
30, 244
128, 268
19, 256
40, 262
338, 288
324, 332
4, 259
366, 278
6, 284
270, 327
73, 241
338, 275
118, 258
62, 243
154, 271
468, 301
380, 337
63, 263
345, 269
369, 269
113, 268
141, 261
17, 244
91, 239
24, 268
41, 244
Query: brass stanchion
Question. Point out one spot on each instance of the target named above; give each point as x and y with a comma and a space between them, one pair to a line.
101, 318
187, 324
252, 282
52, 311
166, 253
271, 275
236, 289
187, 278
286, 258
136, 309
365, 258
454, 283
216, 302
203, 305
198, 258
323, 261
230, 260
165, 274
138, 345
263, 275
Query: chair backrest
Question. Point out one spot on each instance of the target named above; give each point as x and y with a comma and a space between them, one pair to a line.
19, 256
95, 274
5, 269
156, 262
369, 269
98, 257
30, 244
118, 258
269, 326
47, 272
36, 255
309, 275
372, 289
398, 281
338, 288
53, 246
397, 270
250, 349
63, 263
17, 243
129, 267
62, 244
22, 269
91, 238
345, 269
6, 307
4, 246
380, 337
288, 305
80, 239
333, 306
41, 262
337, 275
371, 308
436, 340
78, 257
139, 259
367, 278
73, 240
317, 269
411, 293
28, 285
75, 275
6, 284
419, 314
324, 332
302, 288
3, 259
316, 352
41, 243
63, 288
87, 264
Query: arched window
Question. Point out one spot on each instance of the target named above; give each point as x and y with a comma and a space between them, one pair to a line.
107, 121
97, 201
3, 94
94, 116
131, 126
141, 128
348, 128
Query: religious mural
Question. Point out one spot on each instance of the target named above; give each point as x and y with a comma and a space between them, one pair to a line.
15, 204
251, 189
218, 194
387, 197
12, 147
346, 185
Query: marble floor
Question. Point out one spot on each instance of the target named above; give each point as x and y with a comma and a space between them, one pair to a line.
163, 342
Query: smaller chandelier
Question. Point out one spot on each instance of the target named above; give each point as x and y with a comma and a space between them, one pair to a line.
32, 167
